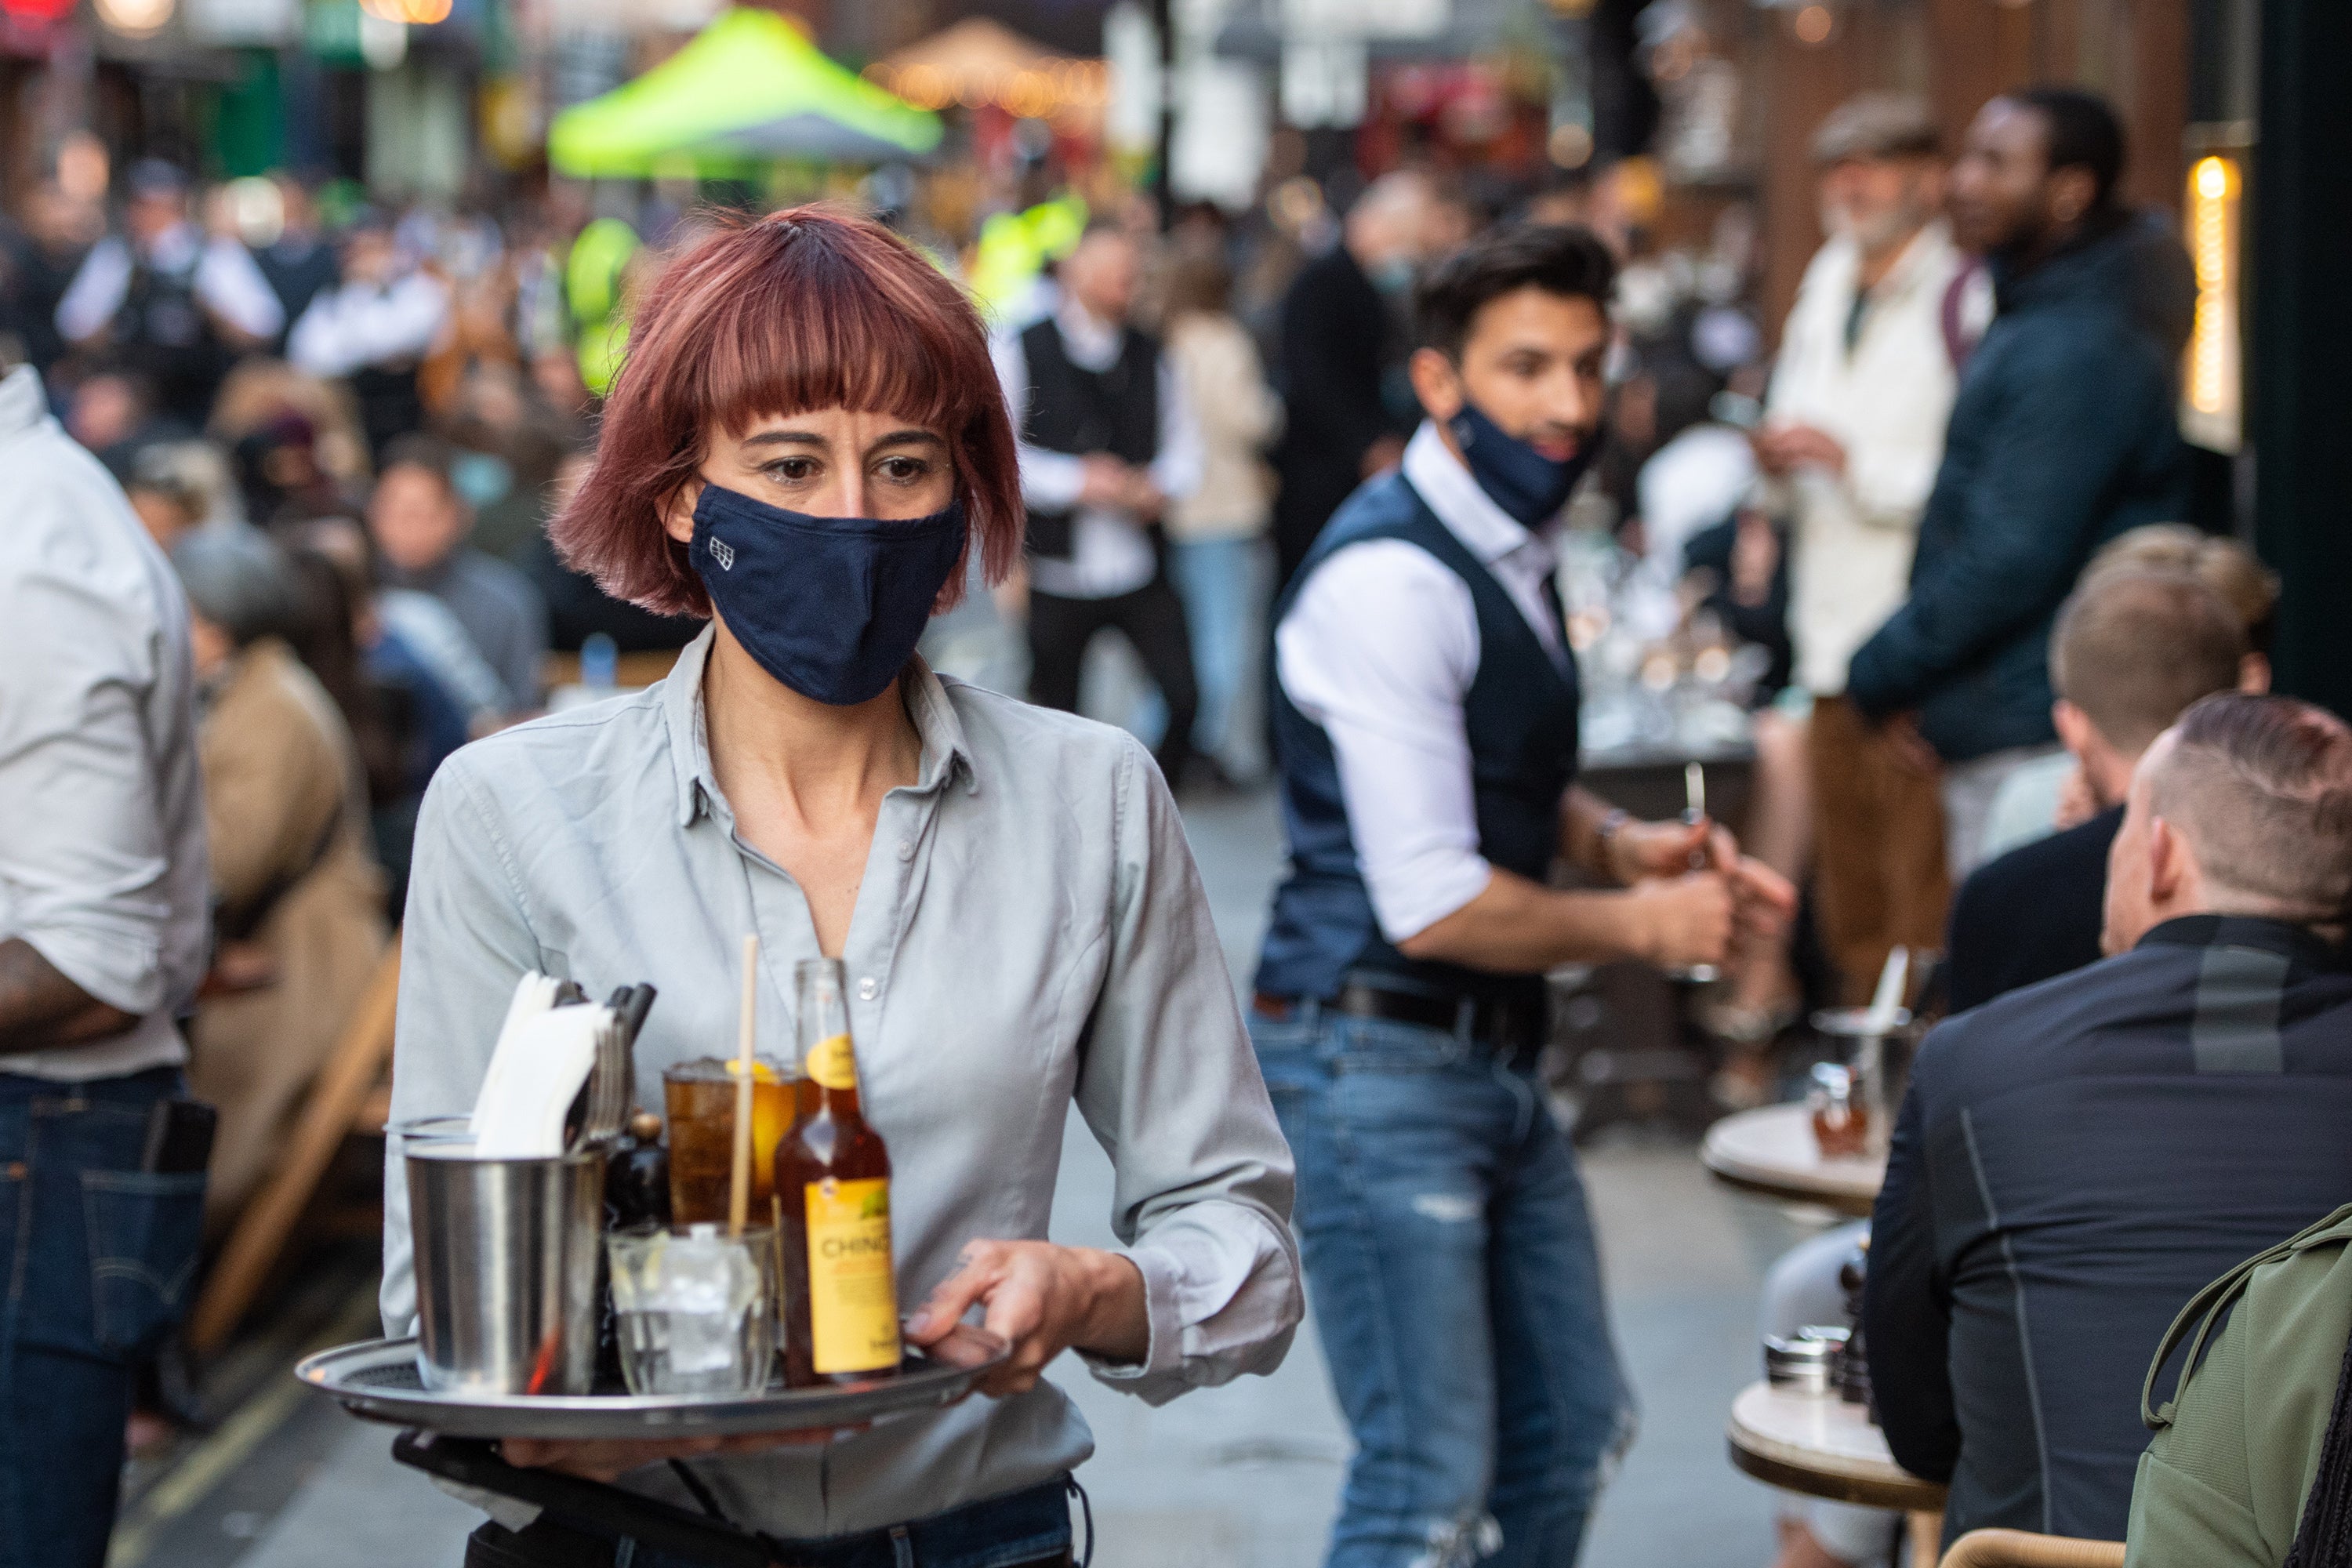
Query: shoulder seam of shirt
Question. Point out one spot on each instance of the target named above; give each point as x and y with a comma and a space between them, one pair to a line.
471, 800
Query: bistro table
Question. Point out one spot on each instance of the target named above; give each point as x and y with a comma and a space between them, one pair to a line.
1771, 1152
1818, 1445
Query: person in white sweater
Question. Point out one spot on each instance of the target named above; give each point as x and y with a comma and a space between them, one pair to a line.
1854, 432
1217, 550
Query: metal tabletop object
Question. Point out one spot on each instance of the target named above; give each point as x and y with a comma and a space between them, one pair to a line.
377, 1380
1818, 1445
1772, 1152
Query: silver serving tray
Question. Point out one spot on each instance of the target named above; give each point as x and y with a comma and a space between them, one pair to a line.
377, 1380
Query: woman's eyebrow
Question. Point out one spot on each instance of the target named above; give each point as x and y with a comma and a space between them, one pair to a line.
784, 437
910, 438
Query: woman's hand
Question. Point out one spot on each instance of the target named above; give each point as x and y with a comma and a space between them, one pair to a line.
1041, 1300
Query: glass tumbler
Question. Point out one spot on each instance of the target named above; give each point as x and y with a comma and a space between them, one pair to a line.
694, 1308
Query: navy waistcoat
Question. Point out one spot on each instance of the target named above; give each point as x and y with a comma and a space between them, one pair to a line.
1520, 714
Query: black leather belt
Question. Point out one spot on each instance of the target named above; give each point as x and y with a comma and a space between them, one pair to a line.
1494, 1021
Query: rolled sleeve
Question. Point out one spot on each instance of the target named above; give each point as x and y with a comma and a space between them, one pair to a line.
90, 888
1050, 481
1171, 1087
1379, 648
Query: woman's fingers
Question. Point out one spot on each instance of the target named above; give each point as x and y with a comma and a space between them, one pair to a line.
954, 1295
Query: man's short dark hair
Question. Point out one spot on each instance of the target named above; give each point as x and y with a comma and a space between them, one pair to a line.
1568, 260
2081, 132
2262, 786
420, 449
2135, 646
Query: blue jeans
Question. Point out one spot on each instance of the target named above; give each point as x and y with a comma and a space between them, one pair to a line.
99, 1256
1223, 584
1451, 1267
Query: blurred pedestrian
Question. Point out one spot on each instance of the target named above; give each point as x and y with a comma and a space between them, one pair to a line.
1217, 550
38, 258
2063, 434
1853, 433
298, 918
1107, 443
422, 527
301, 262
374, 328
1342, 335
167, 300
103, 941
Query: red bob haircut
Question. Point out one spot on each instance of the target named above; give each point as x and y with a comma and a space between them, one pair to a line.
806, 309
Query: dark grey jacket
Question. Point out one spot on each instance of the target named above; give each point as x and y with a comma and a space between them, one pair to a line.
2063, 434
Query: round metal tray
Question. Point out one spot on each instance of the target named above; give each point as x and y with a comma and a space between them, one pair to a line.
377, 1380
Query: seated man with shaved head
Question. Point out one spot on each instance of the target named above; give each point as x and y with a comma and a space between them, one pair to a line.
2076, 1159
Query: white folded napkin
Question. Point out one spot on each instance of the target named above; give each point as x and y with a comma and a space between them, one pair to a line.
536, 1072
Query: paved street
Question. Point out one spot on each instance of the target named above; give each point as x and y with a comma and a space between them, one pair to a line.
1244, 1476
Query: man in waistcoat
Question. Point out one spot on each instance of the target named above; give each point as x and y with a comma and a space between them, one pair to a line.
170, 303
1425, 715
1105, 443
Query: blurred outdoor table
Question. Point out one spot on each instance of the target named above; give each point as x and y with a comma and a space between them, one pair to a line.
1771, 1150
1818, 1445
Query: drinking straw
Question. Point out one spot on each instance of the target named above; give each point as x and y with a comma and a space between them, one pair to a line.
739, 1183
1889, 999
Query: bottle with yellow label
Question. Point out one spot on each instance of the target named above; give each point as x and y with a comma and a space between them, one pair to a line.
833, 1184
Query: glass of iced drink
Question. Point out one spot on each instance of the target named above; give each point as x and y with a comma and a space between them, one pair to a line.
694, 1308
700, 1097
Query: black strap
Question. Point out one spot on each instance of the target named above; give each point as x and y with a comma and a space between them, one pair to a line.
2324, 1537
236, 922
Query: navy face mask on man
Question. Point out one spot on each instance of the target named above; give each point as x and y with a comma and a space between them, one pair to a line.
1525, 483
832, 606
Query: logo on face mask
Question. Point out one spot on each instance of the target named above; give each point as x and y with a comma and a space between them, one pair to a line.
724, 554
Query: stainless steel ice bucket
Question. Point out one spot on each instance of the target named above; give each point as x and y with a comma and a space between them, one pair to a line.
505, 1256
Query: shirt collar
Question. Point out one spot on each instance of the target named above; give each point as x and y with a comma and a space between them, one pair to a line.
1093, 344
1444, 482
22, 406
944, 748
2282, 937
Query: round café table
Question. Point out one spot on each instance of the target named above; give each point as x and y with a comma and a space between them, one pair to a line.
1771, 1152
1818, 1445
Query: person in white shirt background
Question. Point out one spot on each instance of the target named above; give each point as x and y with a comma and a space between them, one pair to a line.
170, 302
1426, 722
1107, 442
104, 935
1853, 434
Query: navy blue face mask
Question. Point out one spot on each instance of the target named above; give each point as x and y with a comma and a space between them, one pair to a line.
832, 606
1525, 483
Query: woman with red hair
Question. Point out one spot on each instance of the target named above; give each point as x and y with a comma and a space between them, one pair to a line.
805, 444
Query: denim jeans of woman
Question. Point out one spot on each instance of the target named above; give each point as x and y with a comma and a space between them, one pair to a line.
1225, 585
1452, 1275
99, 1256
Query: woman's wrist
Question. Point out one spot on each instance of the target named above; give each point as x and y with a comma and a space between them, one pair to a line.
1115, 1323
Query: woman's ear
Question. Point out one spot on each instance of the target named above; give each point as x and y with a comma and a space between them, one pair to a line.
677, 513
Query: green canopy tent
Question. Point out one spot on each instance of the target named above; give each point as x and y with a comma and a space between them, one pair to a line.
750, 87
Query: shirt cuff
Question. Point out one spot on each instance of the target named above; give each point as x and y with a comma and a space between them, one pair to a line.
1165, 1352
1416, 898
1051, 481
123, 972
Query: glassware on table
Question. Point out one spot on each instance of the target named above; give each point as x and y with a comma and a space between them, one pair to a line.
700, 1097
695, 1307
1841, 1122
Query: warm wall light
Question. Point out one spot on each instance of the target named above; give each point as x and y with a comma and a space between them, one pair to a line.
1813, 24
134, 18
2211, 400
416, 13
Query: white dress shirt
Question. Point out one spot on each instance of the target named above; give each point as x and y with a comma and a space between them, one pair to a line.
362, 324
1110, 548
1379, 649
1887, 399
102, 863
228, 280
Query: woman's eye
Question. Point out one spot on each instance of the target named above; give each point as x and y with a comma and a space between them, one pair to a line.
904, 470
792, 471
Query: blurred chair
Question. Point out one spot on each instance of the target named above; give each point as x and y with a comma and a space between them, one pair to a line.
349, 1099
2022, 1549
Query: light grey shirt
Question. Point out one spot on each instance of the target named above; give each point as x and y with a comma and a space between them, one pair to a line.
102, 864
1030, 929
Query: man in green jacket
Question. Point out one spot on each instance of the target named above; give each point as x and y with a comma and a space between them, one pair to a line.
2225, 1482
